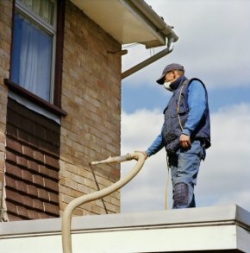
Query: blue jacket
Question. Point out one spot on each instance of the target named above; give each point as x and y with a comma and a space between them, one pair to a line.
193, 113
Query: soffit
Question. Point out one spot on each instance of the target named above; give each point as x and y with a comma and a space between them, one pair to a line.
127, 21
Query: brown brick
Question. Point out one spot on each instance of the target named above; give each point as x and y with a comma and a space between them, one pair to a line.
10, 156
33, 214
13, 170
53, 174
42, 215
42, 169
12, 131
22, 211
53, 197
49, 148
27, 151
116, 173
52, 209
21, 186
13, 217
10, 182
52, 138
39, 131
37, 204
13, 196
27, 201
23, 122
43, 194
32, 165
39, 156
32, 190
51, 161
22, 161
26, 175
33, 141
13, 145
38, 180
11, 207
50, 184
23, 136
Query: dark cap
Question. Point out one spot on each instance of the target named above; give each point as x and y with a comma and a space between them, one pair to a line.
168, 68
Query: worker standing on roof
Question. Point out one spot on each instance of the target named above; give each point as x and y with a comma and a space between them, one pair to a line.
185, 133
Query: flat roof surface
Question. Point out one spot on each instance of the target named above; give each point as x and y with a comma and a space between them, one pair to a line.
207, 228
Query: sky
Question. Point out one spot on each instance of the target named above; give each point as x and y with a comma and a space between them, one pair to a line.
214, 46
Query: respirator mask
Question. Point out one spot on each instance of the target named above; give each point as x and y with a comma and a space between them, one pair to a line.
167, 86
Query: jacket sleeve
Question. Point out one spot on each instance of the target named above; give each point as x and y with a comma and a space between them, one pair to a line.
197, 106
156, 146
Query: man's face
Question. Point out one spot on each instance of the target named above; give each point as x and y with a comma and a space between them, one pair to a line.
170, 76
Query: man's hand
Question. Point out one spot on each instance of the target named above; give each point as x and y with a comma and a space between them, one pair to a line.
144, 153
185, 141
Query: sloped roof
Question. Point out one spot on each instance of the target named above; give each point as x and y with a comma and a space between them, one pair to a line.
128, 21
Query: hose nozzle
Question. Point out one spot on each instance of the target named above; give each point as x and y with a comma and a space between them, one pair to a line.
115, 159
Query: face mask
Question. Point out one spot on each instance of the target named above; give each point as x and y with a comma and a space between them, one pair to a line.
167, 86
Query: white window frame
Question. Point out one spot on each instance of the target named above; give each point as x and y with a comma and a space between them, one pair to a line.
51, 29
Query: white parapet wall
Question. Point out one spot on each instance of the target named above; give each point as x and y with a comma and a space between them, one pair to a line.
210, 229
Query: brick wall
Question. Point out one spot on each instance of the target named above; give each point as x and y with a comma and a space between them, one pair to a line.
5, 44
91, 94
32, 153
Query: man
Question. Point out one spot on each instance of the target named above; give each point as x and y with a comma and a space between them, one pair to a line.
185, 133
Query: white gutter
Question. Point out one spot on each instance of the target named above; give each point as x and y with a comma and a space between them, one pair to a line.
157, 21
158, 26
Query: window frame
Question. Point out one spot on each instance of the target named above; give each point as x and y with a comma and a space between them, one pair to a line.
54, 104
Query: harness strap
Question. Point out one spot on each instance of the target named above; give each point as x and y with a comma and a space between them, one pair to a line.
179, 102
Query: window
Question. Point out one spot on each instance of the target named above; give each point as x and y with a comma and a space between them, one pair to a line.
34, 40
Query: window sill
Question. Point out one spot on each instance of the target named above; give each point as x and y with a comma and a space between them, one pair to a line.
35, 99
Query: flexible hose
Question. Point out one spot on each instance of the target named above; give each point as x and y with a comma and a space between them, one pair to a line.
67, 215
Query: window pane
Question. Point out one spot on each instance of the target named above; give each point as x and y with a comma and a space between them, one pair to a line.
43, 8
32, 57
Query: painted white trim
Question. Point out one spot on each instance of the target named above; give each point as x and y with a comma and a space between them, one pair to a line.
210, 228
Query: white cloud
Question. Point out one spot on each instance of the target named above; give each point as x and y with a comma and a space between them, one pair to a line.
213, 41
139, 129
223, 178
213, 46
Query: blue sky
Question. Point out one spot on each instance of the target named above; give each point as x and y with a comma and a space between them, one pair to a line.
213, 45
219, 97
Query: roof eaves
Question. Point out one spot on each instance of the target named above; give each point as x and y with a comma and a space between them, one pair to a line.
155, 23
